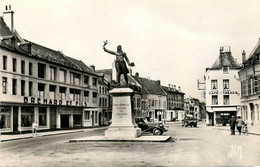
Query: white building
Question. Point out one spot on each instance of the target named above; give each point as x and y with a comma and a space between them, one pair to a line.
222, 89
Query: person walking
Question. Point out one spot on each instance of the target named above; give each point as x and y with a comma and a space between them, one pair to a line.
240, 122
34, 128
232, 125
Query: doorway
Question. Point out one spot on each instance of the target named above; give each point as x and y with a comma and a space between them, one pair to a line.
64, 121
99, 119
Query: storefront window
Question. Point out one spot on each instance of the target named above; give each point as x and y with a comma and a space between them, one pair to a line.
27, 116
87, 115
5, 113
42, 116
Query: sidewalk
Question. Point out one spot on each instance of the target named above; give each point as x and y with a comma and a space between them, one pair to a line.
253, 130
8, 137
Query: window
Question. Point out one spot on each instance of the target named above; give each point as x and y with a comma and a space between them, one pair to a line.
75, 94
62, 92
62, 75
42, 116
52, 73
23, 67
214, 84
249, 86
243, 87
94, 81
255, 86
214, 100
225, 84
14, 64
30, 69
87, 115
225, 70
74, 78
52, 90
4, 85
86, 96
226, 100
30, 88
41, 70
4, 62
14, 86
94, 95
86, 80
5, 119
41, 88
27, 116
22, 87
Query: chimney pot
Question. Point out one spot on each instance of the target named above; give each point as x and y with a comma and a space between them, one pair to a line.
243, 56
93, 67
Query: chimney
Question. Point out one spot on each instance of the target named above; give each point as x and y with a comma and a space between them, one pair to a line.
179, 88
169, 87
159, 82
174, 87
92, 67
12, 15
137, 74
243, 56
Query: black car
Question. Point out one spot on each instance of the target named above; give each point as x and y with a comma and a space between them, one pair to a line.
157, 128
189, 121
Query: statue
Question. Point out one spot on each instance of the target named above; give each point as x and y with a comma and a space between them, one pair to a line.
120, 64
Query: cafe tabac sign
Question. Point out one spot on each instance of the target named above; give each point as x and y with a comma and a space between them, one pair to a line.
224, 92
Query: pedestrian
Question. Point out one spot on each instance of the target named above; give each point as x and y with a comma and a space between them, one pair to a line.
232, 125
34, 128
245, 131
240, 122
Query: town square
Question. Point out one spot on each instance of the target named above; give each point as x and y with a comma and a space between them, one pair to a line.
127, 83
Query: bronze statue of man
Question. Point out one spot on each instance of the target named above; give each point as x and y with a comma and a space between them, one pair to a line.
120, 64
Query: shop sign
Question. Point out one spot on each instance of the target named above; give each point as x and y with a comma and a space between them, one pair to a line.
224, 93
33, 100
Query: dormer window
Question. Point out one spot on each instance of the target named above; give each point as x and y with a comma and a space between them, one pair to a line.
225, 70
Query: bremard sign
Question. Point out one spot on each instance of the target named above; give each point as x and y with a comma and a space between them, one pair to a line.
33, 100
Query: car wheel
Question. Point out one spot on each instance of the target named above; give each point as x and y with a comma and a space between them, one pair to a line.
157, 132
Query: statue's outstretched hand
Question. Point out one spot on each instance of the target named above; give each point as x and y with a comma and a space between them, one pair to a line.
132, 64
105, 43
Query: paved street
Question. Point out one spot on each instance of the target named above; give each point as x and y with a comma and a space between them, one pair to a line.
202, 146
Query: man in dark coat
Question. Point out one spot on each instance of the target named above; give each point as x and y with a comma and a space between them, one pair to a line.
120, 63
232, 125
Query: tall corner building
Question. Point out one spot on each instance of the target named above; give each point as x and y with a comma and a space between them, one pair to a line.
222, 89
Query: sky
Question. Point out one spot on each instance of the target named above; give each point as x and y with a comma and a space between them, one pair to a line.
169, 40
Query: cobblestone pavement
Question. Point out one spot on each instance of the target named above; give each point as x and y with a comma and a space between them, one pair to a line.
202, 146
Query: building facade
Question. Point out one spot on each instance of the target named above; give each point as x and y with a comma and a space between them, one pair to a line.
175, 103
250, 86
42, 85
222, 89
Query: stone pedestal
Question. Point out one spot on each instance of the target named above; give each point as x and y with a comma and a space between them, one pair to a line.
122, 122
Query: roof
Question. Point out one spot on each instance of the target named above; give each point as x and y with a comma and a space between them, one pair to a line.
225, 59
255, 51
150, 86
81, 65
166, 89
36, 51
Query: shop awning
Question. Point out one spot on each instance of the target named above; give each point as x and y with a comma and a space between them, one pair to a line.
222, 109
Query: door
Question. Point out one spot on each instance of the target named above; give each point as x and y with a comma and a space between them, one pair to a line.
15, 118
99, 119
64, 121
53, 123
93, 117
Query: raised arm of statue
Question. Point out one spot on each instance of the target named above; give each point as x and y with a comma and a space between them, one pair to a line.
106, 50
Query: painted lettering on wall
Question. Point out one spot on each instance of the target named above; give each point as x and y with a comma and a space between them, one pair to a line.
224, 93
33, 100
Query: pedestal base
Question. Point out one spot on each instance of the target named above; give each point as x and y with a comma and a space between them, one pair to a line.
123, 132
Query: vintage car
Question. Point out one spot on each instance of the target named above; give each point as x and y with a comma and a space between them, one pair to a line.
189, 121
157, 128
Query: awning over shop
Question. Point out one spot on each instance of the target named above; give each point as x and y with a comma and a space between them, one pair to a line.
223, 109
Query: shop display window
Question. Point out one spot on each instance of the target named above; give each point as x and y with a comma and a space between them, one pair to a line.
87, 115
5, 113
27, 116
42, 116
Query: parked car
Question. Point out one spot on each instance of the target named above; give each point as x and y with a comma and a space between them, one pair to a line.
157, 128
189, 121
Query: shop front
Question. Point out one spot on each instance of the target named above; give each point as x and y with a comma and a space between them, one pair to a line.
90, 117
69, 117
